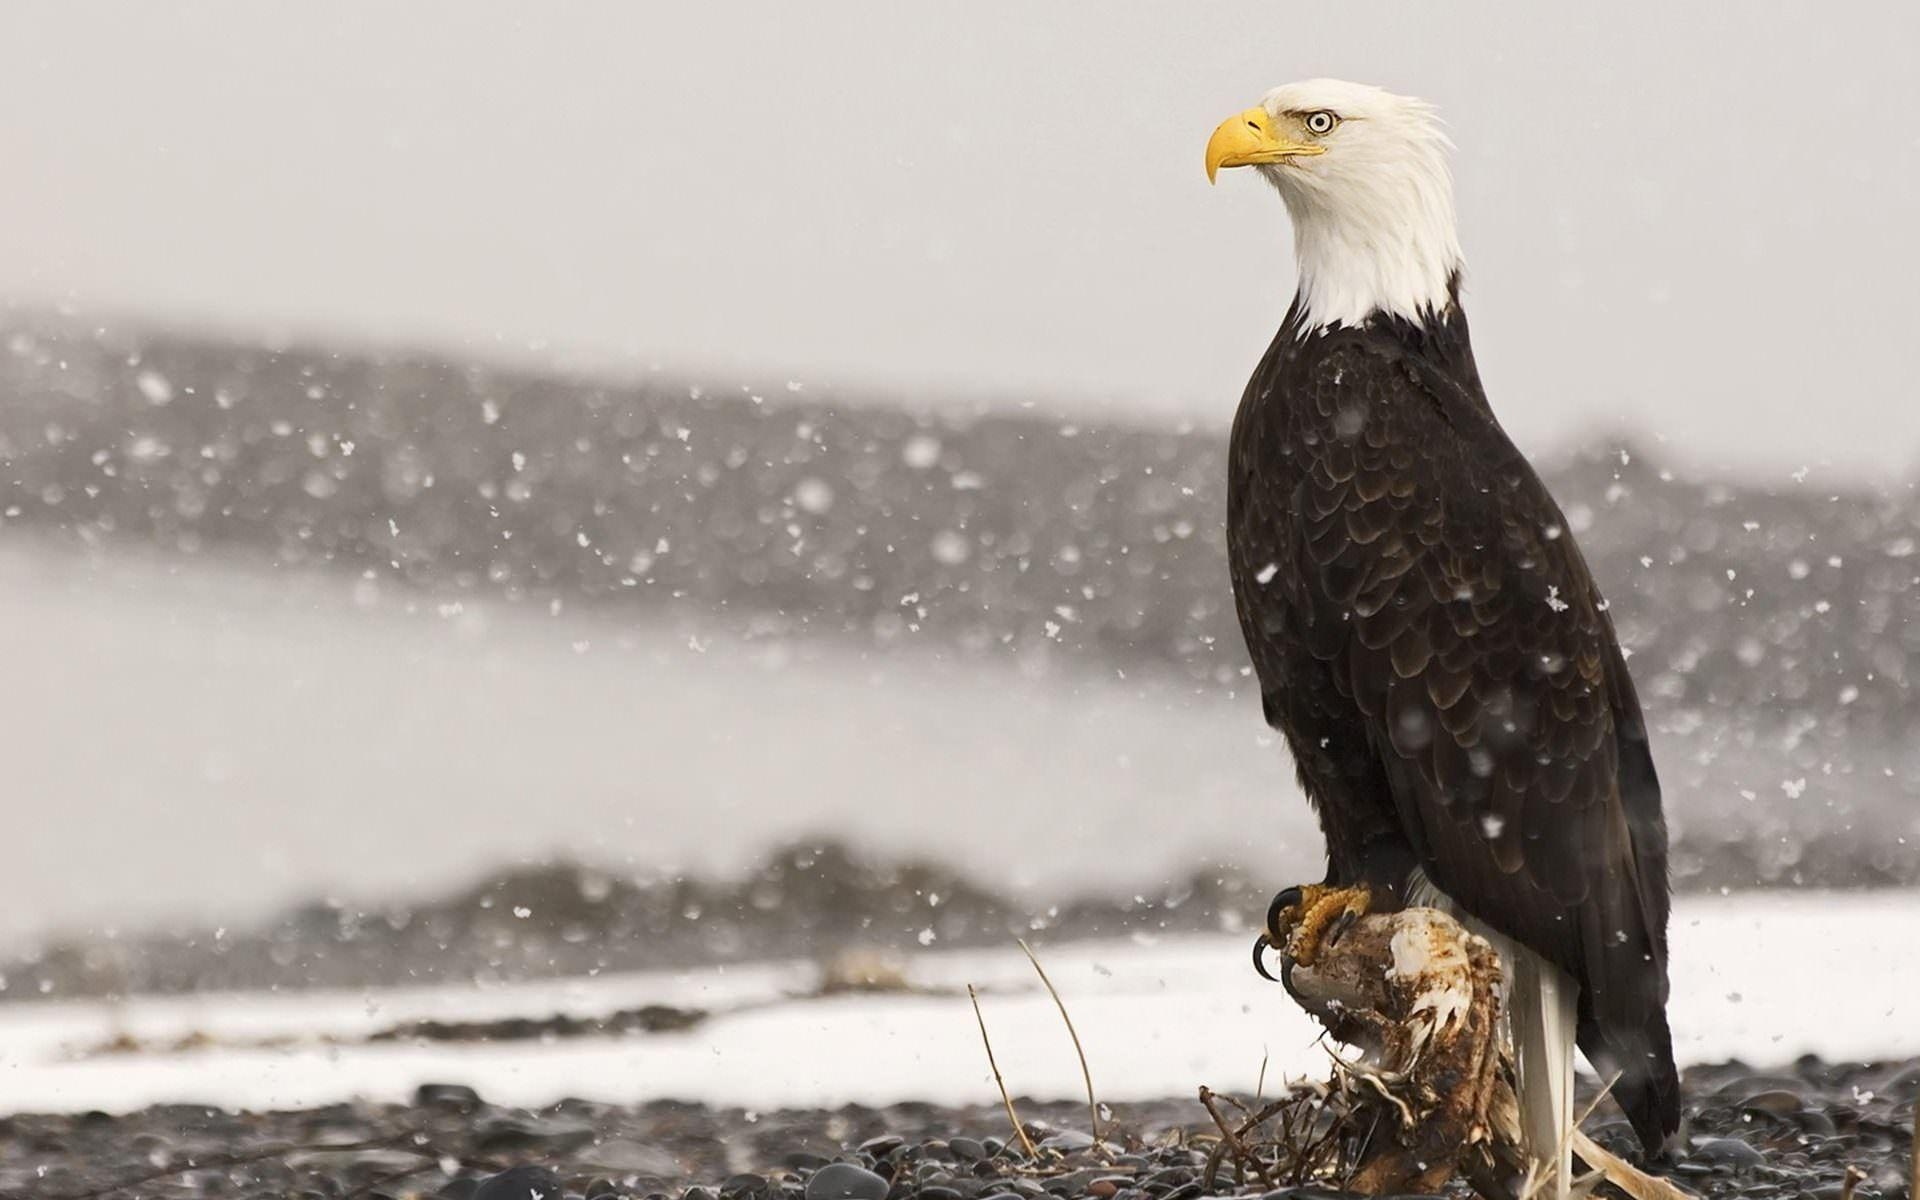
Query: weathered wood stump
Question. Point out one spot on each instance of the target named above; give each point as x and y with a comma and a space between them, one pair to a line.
1429, 1096
1420, 998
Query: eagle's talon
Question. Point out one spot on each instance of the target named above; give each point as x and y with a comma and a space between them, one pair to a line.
1303, 919
1261, 945
1274, 937
1341, 923
1327, 915
1283, 914
1286, 899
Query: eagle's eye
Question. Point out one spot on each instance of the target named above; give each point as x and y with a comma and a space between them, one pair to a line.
1321, 123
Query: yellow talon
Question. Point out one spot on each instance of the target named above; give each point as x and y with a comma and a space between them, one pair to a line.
1319, 908
1301, 918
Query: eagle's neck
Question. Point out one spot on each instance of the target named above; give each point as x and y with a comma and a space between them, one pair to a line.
1384, 246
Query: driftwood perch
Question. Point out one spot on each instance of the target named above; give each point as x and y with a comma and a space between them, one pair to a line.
1429, 1096
1419, 997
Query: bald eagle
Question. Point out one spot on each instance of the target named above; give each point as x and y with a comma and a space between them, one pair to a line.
1425, 631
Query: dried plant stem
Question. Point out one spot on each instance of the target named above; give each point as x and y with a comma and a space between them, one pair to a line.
1852, 1180
1232, 1138
1093, 1107
1624, 1175
1019, 1130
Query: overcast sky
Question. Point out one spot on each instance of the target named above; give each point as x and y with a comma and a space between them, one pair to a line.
1700, 219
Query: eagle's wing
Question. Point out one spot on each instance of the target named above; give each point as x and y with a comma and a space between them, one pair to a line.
1447, 596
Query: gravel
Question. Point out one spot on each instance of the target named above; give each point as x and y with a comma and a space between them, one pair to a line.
1792, 1132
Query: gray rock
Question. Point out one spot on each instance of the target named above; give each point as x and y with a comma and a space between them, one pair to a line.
1067, 1141
1775, 1102
844, 1181
1727, 1153
881, 1146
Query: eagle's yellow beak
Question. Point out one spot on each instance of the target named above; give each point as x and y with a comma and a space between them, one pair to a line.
1249, 138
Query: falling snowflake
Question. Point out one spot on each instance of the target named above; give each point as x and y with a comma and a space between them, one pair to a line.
951, 548
813, 494
921, 452
155, 387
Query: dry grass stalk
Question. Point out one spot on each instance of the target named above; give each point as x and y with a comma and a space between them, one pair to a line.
1093, 1107
1852, 1180
1623, 1174
1019, 1130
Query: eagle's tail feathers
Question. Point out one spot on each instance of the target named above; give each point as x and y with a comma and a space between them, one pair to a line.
1646, 1085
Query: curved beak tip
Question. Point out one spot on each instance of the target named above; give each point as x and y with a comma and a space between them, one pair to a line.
1249, 139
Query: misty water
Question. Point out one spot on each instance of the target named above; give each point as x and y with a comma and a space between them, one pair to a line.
207, 742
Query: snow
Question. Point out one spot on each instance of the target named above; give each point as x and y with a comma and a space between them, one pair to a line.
1763, 977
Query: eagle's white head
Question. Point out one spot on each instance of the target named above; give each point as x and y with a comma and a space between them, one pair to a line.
1364, 174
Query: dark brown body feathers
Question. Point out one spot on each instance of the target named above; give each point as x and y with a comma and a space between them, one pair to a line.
1429, 639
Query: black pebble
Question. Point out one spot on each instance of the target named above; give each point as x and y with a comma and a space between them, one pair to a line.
966, 1149
881, 1146
521, 1183
449, 1097
844, 1181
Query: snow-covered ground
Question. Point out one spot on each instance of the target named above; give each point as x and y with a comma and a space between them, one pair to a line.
1763, 977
